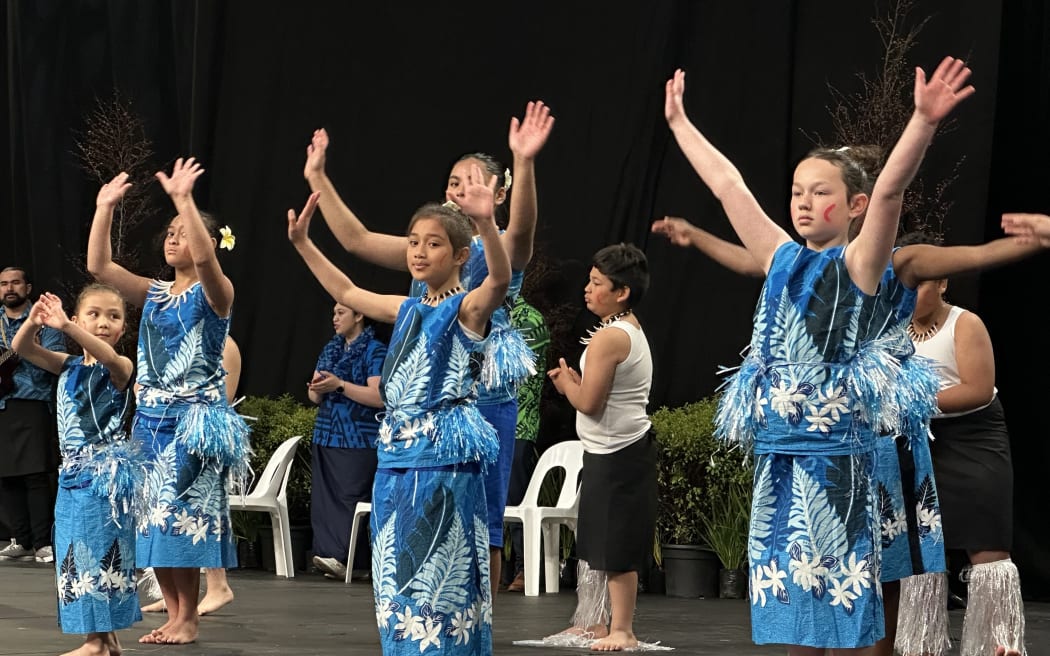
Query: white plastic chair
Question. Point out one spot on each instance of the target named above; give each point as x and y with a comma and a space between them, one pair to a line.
361, 510
270, 495
545, 521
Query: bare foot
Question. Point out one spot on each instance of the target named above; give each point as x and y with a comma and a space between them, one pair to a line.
155, 607
214, 600
616, 641
95, 645
178, 634
1003, 651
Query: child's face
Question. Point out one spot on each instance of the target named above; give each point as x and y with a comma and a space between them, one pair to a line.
344, 319
600, 297
102, 315
820, 209
176, 248
430, 255
460, 174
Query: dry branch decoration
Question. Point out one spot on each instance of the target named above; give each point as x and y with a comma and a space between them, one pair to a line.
113, 140
878, 113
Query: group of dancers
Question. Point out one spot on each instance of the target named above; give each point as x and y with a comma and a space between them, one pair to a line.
829, 381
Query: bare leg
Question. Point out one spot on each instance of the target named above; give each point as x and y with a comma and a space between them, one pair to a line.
218, 593
495, 569
166, 581
94, 645
114, 644
891, 597
183, 624
623, 594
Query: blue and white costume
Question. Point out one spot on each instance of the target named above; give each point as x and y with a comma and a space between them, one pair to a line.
819, 386
430, 551
508, 361
94, 527
192, 439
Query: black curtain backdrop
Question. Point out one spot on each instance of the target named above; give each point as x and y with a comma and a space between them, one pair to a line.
242, 85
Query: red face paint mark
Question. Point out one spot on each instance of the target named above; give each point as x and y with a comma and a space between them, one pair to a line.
827, 219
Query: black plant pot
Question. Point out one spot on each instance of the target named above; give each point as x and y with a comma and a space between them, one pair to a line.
302, 537
248, 553
732, 584
690, 571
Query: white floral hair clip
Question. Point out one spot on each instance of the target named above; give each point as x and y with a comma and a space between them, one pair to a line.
507, 179
228, 240
453, 205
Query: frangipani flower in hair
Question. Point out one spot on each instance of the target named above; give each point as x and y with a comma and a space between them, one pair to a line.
228, 240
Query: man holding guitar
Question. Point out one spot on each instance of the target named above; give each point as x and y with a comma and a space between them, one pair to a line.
28, 437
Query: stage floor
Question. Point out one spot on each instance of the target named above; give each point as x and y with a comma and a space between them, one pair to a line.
311, 615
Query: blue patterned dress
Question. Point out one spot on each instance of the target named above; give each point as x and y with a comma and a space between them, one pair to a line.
908, 507
508, 362
94, 528
430, 552
192, 439
821, 382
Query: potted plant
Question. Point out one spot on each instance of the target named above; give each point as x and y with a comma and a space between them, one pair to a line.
725, 531
274, 420
685, 445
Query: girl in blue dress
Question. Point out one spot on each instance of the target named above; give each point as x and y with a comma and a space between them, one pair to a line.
810, 398
191, 437
94, 528
508, 359
430, 558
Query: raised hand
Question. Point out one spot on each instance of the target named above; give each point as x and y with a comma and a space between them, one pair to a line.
674, 102
111, 192
563, 375
315, 154
528, 135
299, 226
1031, 227
183, 175
54, 316
677, 230
37, 313
946, 88
479, 195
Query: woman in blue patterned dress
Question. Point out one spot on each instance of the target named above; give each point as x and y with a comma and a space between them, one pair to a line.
508, 359
345, 385
810, 398
94, 528
192, 439
430, 556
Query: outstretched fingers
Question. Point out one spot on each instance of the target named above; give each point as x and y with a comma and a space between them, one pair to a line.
299, 224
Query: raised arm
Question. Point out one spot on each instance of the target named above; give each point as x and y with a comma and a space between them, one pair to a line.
868, 254
100, 262
380, 307
1034, 227
217, 287
759, 234
732, 256
527, 137
26, 344
917, 263
387, 251
478, 203
119, 366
